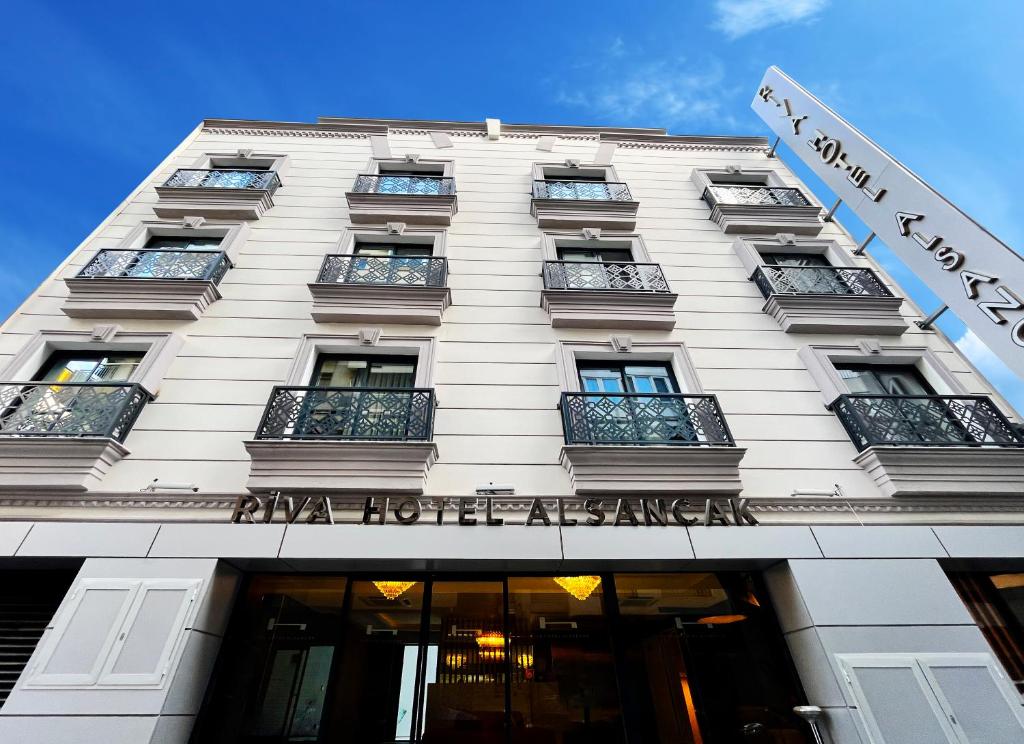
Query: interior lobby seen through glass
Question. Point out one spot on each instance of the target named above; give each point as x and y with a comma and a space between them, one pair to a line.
884, 379
344, 370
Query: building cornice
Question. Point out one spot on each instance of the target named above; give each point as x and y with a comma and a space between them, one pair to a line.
348, 128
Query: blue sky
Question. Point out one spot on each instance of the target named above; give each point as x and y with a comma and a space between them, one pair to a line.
95, 94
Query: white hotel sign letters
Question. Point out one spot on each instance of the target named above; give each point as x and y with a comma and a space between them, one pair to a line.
980, 278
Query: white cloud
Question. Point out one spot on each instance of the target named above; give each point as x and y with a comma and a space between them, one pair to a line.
736, 18
661, 92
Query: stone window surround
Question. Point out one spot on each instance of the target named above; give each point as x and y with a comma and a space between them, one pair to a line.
552, 240
704, 177
397, 233
233, 234
749, 250
553, 171
160, 350
410, 162
820, 362
571, 352
367, 341
236, 159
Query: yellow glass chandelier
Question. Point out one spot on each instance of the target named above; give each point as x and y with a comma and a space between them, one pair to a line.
491, 639
580, 587
393, 589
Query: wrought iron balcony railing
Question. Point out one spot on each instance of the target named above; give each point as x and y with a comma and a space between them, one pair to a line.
820, 280
380, 414
399, 271
233, 178
621, 276
581, 190
382, 183
115, 263
65, 409
925, 421
755, 196
644, 419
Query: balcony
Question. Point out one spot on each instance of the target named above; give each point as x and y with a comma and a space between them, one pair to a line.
567, 204
381, 289
236, 193
592, 294
763, 210
64, 436
829, 299
146, 284
934, 445
648, 443
317, 439
415, 200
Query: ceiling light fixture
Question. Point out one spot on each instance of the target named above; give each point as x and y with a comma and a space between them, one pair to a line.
393, 589
580, 587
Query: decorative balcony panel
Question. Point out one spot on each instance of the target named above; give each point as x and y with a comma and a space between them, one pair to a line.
591, 294
567, 204
937, 445
763, 210
64, 436
648, 443
343, 439
146, 284
421, 200
234, 193
829, 299
381, 289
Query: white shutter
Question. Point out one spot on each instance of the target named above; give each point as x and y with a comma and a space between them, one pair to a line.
117, 633
84, 631
895, 701
984, 706
151, 633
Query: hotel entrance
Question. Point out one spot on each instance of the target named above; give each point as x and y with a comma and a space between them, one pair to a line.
683, 658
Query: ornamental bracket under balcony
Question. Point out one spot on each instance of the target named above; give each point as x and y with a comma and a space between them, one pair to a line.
343, 440
648, 444
569, 204
377, 198
381, 289
60, 437
595, 294
829, 299
228, 193
146, 283
934, 445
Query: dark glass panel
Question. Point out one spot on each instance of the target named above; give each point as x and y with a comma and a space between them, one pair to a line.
337, 370
465, 664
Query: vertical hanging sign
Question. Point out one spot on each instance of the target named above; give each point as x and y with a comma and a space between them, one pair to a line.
980, 278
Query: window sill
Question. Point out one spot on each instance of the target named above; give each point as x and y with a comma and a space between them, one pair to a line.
826, 313
944, 471
652, 469
571, 214
173, 299
379, 303
602, 308
413, 209
63, 464
212, 203
766, 220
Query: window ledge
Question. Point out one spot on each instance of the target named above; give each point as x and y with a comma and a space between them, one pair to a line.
413, 209
343, 466
602, 308
766, 220
825, 313
653, 469
579, 213
212, 203
111, 297
56, 463
379, 303
945, 471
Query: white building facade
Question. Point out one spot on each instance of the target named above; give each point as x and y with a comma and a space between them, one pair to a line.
417, 431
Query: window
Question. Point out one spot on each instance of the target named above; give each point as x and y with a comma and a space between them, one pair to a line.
408, 177
392, 264
996, 602
80, 367
601, 255
627, 378
884, 379
173, 243
341, 370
